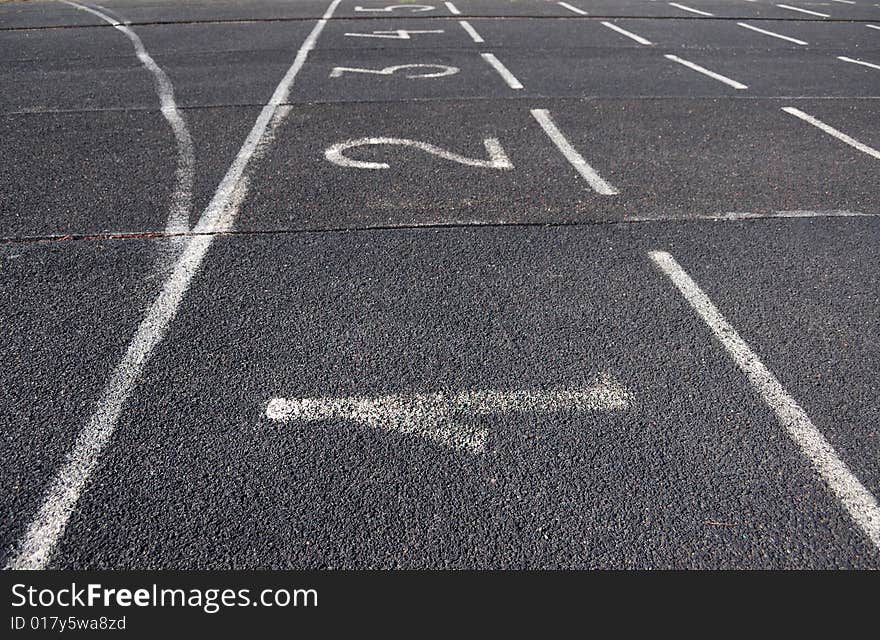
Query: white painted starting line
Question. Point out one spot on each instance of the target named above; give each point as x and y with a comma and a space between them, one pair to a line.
572, 8
772, 34
860, 503
705, 71
861, 62
181, 198
691, 9
476, 37
577, 161
628, 34
503, 71
41, 537
833, 132
450, 419
807, 11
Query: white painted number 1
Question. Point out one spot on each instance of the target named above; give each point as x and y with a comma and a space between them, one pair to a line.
413, 8
497, 158
442, 70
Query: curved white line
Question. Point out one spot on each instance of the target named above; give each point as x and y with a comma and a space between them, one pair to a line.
497, 158
181, 199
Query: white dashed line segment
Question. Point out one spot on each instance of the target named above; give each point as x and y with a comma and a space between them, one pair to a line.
36, 547
772, 34
628, 34
833, 132
860, 503
476, 37
503, 71
706, 72
589, 174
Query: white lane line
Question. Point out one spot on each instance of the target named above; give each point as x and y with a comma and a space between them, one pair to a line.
772, 34
833, 132
873, 26
628, 34
181, 198
452, 9
812, 13
571, 8
476, 37
861, 62
577, 161
691, 9
503, 71
450, 419
704, 71
856, 499
39, 541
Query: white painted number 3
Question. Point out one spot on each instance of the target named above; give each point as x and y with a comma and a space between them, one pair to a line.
441, 70
413, 8
497, 158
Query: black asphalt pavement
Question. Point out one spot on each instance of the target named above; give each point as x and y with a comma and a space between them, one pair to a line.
450, 202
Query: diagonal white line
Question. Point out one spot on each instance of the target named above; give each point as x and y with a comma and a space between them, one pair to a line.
691, 9
705, 71
36, 547
772, 34
503, 71
628, 34
857, 500
861, 62
807, 11
832, 132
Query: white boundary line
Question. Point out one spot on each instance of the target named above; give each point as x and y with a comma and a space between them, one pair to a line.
856, 499
476, 37
571, 8
772, 34
181, 199
704, 71
36, 547
832, 131
812, 13
628, 34
503, 71
861, 62
577, 161
452, 9
692, 10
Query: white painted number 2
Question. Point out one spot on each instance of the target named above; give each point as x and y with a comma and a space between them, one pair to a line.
396, 34
413, 8
441, 70
497, 158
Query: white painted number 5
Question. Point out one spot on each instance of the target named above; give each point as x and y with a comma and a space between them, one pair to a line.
413, 8
442, 70
497, 158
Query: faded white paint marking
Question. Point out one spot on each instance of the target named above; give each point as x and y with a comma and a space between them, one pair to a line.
812, 13
440, 70
36, 547
476, 37
691, 9
833, 132
450, 419
452, 9
181, 197
705, 71
503, 71
856, 499
413, 8
393, 34
571, 154
628, 34
497, 158
772, 34
572, 8
861, 62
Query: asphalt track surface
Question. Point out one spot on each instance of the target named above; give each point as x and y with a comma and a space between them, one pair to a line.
428, 324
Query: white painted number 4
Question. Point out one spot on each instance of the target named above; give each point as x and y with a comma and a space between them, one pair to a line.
497, 158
